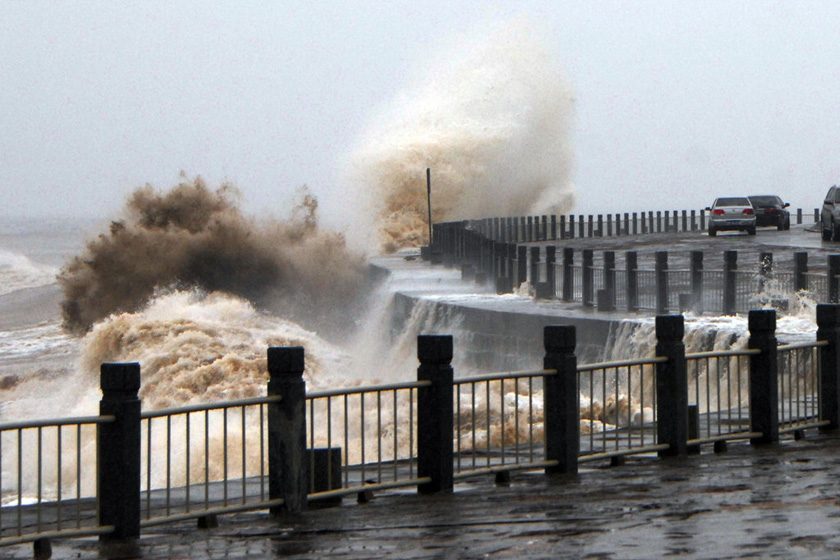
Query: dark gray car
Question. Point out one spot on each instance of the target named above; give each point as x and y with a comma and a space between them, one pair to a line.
830, 215
771, 210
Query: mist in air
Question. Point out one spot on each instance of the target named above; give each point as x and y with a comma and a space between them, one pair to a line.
491, 117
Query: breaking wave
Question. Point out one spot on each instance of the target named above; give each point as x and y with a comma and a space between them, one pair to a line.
192, 237
491, 119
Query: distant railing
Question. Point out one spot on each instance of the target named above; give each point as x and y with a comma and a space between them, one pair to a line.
598, 280
289, 448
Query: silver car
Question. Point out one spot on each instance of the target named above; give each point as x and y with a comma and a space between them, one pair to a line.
731, 213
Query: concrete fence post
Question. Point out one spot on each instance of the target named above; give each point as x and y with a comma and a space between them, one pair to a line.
590, 227
693, 220
435, 414
800, 270
631, 262
661, 268
671, 386
834, 278
529, 231
765, 269
702, 220
568, 274
561, 400
118, 457
581, 226
658, 221
696, 272
562, 227
287, 458
587, 276
534, 275
764, 382
544, 228
684, 220
552, 234
521, 265
635, 223
828, 329
730, 267
549, 287
609, 280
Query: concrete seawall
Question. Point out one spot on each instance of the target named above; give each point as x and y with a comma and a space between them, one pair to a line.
492, 333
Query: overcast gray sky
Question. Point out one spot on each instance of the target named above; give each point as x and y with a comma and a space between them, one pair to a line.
676, 102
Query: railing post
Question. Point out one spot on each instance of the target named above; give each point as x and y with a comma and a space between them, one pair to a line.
828, 329
587, 277
609, 281
550, 271
562, 228
702, 220
671, 386
764, 383
834, 278
800, 269
730, 265
435, 413
552, 234
697, 281
562, 400
635, 223
118, 445
568, 274
287, 465
521, 265
661, 268
765, 269
535, 267
631, 261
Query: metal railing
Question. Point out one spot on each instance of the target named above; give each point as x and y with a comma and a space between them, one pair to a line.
375, 427
499, 422
800, 386
208, 459
618, 408
47, 488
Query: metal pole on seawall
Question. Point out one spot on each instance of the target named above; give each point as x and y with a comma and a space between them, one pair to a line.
429, 200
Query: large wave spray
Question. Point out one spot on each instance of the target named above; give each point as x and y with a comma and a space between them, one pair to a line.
194, 237
491, 119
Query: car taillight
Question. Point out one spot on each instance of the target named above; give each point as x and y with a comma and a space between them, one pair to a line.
748, 211
771, 210
718, 212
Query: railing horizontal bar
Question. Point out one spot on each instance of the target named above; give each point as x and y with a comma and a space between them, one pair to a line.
505, 468
793, 427
802, 345
209, 406
622, 363
56, 422
62, 534
368, 389
621, 452
723, 354
725, 437
210, 511
504, 375
368, 487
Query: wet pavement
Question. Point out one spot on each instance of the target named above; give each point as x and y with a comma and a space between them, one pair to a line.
752, 502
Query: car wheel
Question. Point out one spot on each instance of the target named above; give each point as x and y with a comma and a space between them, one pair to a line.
712, 232
787, 225
835, 232
781, 226
751, 230
826, 233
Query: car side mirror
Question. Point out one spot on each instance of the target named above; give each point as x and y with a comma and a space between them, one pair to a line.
707, 209
787, 204
828, 201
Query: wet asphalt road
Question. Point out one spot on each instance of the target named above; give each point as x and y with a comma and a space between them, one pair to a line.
751, 502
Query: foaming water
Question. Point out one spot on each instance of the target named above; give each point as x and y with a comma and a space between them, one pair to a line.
491, 119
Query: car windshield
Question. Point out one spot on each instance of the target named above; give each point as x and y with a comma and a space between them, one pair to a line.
740, 201
764, 200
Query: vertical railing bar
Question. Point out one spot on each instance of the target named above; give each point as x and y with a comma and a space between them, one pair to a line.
740, 395
225, 454
187, 419
79, 477
379, 435
346, 442
617, 413
502, 409
729, 401
2, 433
642, 430
262, 452
472, 421
149, 468
457, 389
396, 439
531, 418
329, 444
20, 481
39, 484
168, 463
629, 408
362, 419
59, 466
719, 407
487, 401
206, 459
411, 424
591, 411
244, 458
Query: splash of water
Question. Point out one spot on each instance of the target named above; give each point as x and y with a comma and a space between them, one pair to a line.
491, 120
194, 237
